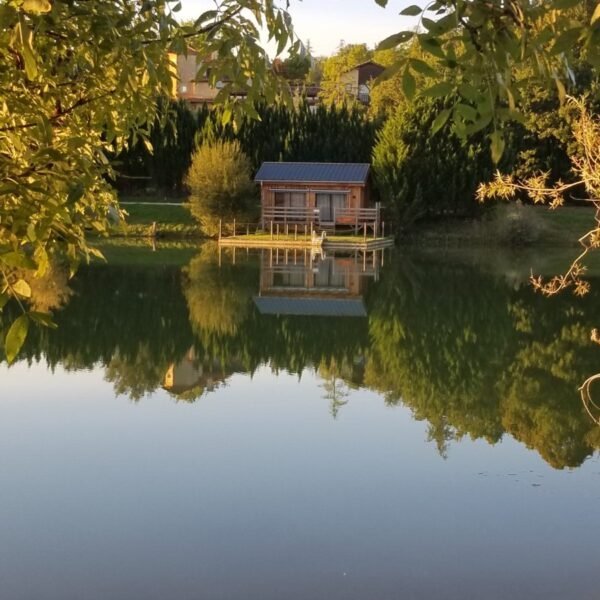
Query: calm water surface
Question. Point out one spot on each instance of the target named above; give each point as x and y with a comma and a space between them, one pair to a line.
377, 427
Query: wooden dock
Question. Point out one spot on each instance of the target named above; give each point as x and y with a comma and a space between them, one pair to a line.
326, 243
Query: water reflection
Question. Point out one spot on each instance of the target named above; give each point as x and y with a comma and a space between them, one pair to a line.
469, 351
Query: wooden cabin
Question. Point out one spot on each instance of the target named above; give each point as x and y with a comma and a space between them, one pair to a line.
321, 195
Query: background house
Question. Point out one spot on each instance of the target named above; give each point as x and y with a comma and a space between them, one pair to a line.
357, 81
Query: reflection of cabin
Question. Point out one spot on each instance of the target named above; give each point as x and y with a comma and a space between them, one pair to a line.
296, 282
320, 194
191, 376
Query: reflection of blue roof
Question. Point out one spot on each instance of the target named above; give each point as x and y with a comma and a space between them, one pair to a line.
311, 307
313, 172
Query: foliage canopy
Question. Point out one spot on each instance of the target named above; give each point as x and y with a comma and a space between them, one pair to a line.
81, 79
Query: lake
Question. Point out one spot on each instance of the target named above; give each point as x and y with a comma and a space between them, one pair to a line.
267, 425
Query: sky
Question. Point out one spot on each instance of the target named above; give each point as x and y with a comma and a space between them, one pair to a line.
326, 22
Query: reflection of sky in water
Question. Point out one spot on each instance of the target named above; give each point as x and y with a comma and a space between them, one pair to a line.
255, 491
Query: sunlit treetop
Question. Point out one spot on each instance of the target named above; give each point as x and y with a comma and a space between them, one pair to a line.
81, 79
477, 47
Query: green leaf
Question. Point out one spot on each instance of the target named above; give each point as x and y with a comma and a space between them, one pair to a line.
226, 117
4, 298
443, 88
411, 11
420, 66
22, 288
562, 92
468, 92
497, 144
566, 40
595, 14
440, 120
15, 337
562, 4
432, 46
390, 71
382, 3
466, 112
17, 259
409, 84
395, 40
23, 38
36, 6
44, 319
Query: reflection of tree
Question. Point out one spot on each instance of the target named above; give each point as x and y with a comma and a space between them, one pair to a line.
540, 405
434, 348
459, 346
475, 357
338, 380
218, 298
136, 376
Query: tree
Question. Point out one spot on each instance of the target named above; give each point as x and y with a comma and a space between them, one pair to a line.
478, 46
423, 169
220, 184
82, 79
296, 67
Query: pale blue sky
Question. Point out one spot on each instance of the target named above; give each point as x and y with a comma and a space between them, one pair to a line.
326, 22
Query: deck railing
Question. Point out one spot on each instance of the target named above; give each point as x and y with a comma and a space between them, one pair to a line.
290, 214
355, 216
293, 218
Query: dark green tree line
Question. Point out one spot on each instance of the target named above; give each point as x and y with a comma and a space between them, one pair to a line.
276, 132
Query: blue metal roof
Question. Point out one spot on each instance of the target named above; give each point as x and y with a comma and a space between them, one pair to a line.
312, 307
313, 172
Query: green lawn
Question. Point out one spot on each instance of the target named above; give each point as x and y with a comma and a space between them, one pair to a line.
535, 226
140, 252
560, 227
146, 214
568, 223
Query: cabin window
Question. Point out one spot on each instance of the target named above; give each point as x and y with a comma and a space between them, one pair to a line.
327, 203
295, 199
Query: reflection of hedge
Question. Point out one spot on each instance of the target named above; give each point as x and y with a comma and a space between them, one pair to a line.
116, 310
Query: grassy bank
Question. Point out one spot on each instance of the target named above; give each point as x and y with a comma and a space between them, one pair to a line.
508, 225
171, 220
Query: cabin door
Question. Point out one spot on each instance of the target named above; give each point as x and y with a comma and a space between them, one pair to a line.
327, 203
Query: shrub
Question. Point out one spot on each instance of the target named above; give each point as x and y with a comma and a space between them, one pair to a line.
514, 224
220, 184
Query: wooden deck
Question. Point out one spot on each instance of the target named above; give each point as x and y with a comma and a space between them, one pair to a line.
327, 243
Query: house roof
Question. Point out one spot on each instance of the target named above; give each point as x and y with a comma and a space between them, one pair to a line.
313, 172
312, 307
366, 63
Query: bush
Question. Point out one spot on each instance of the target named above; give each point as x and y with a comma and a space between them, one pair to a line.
220, 184
514, 224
